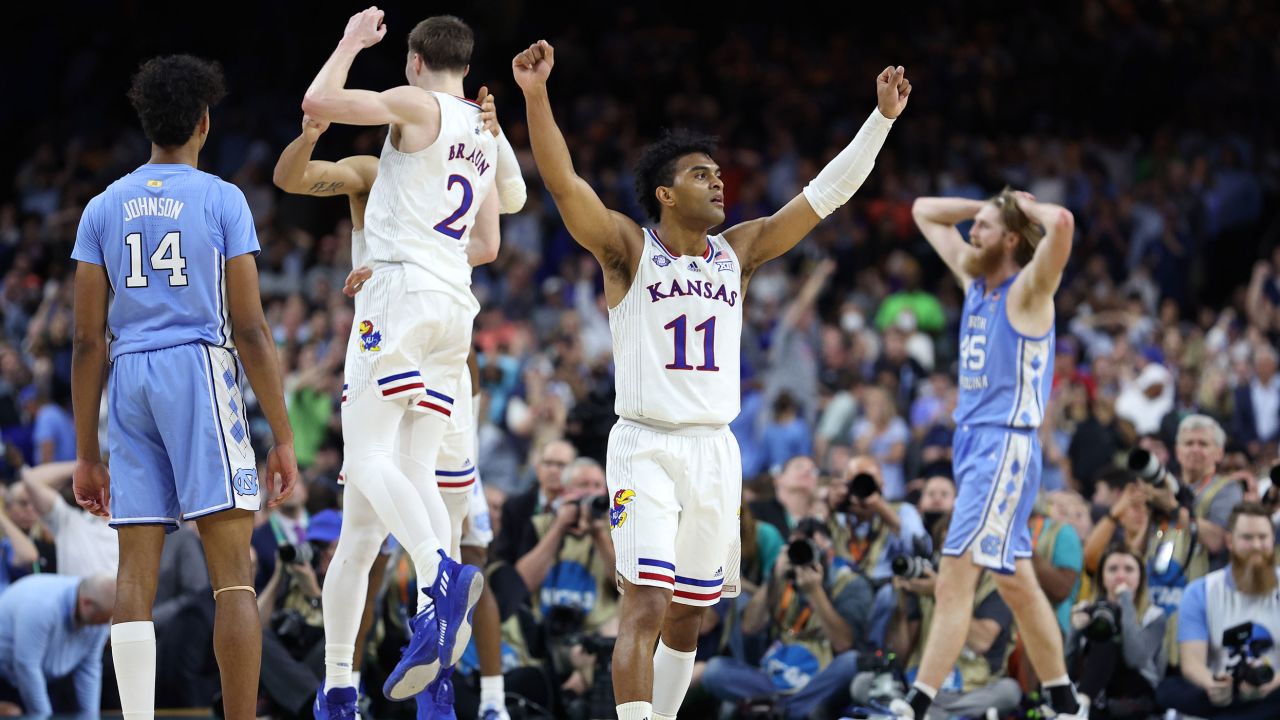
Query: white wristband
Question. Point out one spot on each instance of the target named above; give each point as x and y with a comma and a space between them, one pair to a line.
841, 178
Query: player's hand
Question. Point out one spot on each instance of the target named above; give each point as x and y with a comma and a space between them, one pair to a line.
365, 27
281, 464
356, 279
892, 89
567, 515
92, 486
488, 111
533, 66
312, 129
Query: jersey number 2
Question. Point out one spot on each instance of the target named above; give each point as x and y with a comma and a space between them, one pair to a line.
168, 256
444, 226
708, 329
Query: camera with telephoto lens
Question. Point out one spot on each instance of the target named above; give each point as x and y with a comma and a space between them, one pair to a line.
804, 550
594, 507
910, 567
1251, 667
861, 486
299, 554
1104, 621
1147, 467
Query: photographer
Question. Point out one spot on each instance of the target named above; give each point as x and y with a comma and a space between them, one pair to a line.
870, 533
815, 614
292, 619
1199, 451
978, 680
1226, 627
1116, 647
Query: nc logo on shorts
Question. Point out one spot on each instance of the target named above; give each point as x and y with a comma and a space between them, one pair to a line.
245, 482
370, 341
618, 513
990, 545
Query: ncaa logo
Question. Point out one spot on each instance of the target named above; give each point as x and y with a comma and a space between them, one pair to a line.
245, 482
661, 260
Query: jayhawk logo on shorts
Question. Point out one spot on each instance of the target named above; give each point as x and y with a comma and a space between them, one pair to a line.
618, 513
370, 341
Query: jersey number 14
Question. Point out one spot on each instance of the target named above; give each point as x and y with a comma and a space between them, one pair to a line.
168, 256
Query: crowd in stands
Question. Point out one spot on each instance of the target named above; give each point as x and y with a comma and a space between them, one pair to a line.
1152, 122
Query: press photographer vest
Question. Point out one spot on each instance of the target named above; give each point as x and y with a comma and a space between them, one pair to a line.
863, 553
802, 648
1198, 566
577, 578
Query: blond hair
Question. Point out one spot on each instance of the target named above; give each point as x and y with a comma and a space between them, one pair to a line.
1019, 223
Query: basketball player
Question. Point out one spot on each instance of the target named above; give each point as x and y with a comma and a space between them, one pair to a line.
409, 344
176, 246
1010, 269
456, 476
675, 299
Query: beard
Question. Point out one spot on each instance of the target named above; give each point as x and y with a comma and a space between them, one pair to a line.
1253, 572
984, 261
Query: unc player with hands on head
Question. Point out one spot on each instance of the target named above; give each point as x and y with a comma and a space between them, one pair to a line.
675, 310
1010, 269
176, 246
409, 344
459, 483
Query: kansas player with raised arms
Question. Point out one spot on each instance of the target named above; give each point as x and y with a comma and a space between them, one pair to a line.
410, 339
176, 246
675, 297
460, 486
1010, 270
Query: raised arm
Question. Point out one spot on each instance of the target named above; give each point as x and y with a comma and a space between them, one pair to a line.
602, 231
1044, 272
758, 241
510, 181
937, 219
329, 100
298, 174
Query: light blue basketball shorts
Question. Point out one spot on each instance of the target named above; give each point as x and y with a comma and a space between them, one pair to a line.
997, 473
178, 437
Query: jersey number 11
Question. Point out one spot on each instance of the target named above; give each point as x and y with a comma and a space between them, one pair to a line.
679, 327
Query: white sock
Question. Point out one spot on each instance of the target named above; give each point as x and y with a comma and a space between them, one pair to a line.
659, 716
426, 562
635, 711
337, 666
672, 671
492, 692
355, 680
133, 652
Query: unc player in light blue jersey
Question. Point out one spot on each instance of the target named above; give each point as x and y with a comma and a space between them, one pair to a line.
1010, 270
167, 271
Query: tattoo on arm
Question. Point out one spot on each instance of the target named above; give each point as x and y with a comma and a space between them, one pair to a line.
325, 187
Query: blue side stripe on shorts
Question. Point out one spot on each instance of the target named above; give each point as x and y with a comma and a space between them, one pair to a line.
699, 583
401, 376
455, 473
441, 396
657, 563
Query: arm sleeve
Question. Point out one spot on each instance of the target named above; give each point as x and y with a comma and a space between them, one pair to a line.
88, 247
239, 236
88, 680
1193, 625
511, 190
32, 629
841, 178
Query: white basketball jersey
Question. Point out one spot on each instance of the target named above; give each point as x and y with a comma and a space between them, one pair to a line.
359, 249
423, 204
677, 336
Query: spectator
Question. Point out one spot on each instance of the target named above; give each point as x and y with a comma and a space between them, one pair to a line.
55, 432
1117, 660
51, 627
1058, 558
1256, 420
85, 544
794, 488
815, 615
517, 535
285, 525
1242, 597
882, 434
23, 550
787, 435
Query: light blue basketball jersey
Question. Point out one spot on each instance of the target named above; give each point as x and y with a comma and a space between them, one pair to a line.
164, 234
1005, 376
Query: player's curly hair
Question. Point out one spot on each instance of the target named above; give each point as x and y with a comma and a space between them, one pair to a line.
444, 42
656, 166
1018, 222
171, 93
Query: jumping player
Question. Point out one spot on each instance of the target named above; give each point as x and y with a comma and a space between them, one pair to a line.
1010, 270
410, 340
675, 299
176, 246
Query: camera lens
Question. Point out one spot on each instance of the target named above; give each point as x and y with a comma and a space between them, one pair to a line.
863, 486
288, 553
599, 506
801, 552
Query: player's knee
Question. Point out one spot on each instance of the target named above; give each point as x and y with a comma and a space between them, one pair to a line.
1017, 589
644, 610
